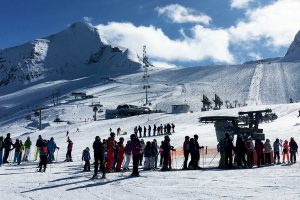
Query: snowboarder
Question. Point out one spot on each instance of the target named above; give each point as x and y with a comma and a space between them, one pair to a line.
127, 151
51, 145
86, 157
43, 155
7, 147
285, 152
240, 149
38, 144
111, 146
276, 147
98, 155
186, 151
259, 148
268, 151
293, 150
120, 152
69, 151
136, 151
27, 146
1, 149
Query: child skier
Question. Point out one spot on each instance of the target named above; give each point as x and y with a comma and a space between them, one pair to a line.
86, 157
285, 152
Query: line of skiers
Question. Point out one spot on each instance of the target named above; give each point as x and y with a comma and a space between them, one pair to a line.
155, 130
245, 149
109, 155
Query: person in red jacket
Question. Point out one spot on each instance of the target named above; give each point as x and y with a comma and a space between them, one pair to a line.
120, 152
111, 145
259, 148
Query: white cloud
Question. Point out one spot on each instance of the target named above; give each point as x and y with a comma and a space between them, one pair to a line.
240, 4
179, 14
87, 19
204, 43
254, 55
277, 23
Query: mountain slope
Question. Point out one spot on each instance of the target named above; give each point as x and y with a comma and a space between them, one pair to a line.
73, 53
293, 53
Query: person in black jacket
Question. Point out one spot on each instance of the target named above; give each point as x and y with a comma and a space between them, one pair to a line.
197, 152
240, 149
166, 146
228, 151
1, 149
98, 155
7, 147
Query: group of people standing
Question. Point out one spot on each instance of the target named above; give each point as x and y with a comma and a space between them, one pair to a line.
246, 148
161, 129
191, 147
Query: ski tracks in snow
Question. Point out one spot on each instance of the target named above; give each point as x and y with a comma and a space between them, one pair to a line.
254, 90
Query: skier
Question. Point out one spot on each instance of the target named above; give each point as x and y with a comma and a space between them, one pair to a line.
168, 128
154, 153
161, 154
240, 152
165, 129
145, 131
173, 128
17, 147
140, 131
149, 131
250, 151
38, 144
135, 130
259, 148
135, 149
158, 130
67, 135
98, 155
154, 130
1, 149
285, 151
197, 151
293, 150
22, 150
51, 145
142, 143
111, 146
127, 151
186, 151
69, 151
276, 147
166, 153
147, 155
268, 151
86, 157
221, 150
161, 129
228, 151
118, 131
43, 155
7, 145
120, 152
27, 146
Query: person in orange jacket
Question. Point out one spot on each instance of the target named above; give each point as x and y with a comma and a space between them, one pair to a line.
285, 151
120, 152
111, 145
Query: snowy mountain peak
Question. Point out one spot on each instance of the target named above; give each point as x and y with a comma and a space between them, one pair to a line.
74, 52
293, 53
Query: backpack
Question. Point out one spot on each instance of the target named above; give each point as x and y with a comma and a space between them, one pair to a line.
44, 149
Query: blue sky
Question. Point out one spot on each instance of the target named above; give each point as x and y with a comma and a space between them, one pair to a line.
182, 33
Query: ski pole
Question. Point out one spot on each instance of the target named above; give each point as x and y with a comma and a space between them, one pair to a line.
213, 158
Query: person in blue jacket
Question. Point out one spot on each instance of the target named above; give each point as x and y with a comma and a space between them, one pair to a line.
51, 145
